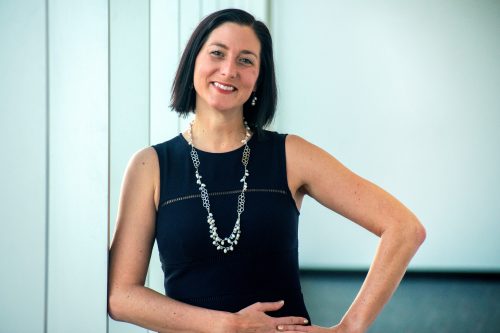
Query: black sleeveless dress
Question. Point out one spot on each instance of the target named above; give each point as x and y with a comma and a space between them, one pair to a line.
264, 264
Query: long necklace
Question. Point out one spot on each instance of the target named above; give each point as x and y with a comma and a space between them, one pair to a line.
228, 243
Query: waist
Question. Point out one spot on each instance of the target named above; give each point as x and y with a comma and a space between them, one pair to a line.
294, 303
249, 273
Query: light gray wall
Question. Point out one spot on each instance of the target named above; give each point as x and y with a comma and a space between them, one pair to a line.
54, 119
129, 59
23, 195
78, 165
406, 95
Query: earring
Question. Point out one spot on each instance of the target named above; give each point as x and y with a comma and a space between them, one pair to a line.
254, 100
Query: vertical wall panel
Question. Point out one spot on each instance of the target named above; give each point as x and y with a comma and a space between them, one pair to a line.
23, 168
78, 166
189, 17
208, 7
226, 3
164, 59
164, 122
129, 101
129, 89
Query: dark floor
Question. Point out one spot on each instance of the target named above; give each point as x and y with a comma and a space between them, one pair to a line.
423, 303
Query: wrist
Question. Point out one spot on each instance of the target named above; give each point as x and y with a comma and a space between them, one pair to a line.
351, 327
228, 322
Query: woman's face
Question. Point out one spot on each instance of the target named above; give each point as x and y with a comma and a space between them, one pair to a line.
227, 68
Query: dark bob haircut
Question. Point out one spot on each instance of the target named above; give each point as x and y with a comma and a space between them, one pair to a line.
183, 93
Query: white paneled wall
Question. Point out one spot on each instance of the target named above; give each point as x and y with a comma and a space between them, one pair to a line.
78, 165
164, 124
54, 195
23, 168
129, 60
164, 55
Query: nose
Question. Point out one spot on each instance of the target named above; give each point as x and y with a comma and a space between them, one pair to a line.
229, 69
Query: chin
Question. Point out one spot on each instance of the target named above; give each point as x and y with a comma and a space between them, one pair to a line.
225, 107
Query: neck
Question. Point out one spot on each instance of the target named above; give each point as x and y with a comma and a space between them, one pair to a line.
218, 133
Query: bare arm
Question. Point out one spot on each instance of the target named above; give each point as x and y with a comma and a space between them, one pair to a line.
314, 172
129, 300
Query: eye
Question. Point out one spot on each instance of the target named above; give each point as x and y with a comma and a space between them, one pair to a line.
217, 53
246, 61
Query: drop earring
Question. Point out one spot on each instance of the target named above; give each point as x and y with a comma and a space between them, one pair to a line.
254, 100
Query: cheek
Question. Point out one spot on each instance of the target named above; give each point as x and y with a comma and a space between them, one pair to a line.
251, 78
202, 69
200, 80
198, 73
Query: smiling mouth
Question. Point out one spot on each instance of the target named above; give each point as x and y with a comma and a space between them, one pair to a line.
224, 87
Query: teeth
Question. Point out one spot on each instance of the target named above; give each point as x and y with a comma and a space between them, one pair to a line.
223, 87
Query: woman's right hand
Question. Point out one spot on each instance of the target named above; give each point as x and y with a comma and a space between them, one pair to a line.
254, 319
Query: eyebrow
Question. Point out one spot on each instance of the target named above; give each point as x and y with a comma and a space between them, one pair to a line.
242, 51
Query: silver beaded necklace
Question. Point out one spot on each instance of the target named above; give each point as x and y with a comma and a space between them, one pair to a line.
228, 243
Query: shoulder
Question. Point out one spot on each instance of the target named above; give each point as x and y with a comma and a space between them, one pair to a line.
295, 141
143, 166
270, 137
171, 147
309, 163
292, 141
298, 147
144, 158
142, 176
172, 142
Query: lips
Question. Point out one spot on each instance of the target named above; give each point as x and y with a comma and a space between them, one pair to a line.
227, 88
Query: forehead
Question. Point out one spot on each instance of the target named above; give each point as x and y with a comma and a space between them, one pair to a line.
235, 36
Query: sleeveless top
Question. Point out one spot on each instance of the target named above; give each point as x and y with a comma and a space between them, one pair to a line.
263, 267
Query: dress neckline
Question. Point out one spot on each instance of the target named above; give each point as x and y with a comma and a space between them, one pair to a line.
217, 154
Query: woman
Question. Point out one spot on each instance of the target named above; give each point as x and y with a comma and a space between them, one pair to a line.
222, 200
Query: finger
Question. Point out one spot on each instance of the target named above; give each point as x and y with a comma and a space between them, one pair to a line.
292, 321
268, 306
293, 328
